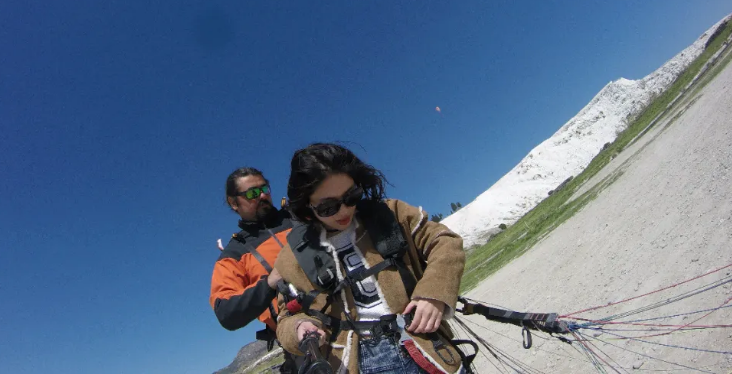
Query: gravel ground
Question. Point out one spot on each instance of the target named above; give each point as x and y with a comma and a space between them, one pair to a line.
666, 219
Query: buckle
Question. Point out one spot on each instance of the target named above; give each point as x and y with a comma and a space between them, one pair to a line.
402, 326
438, 345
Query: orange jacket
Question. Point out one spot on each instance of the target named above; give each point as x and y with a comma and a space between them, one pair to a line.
239, 290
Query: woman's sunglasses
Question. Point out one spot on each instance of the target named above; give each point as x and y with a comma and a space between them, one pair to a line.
331, 206
254, 192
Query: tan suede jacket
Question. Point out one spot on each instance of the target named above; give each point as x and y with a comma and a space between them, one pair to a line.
429, 242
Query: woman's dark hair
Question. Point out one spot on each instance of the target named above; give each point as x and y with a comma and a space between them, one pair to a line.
312, 165
231, 190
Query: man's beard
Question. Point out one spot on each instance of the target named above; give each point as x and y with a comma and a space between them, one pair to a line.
266, 212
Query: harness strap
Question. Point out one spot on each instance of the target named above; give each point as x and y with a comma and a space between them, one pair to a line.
410, 283
268, 336
419, 358
546, 322
275, 238
308, 299
363, 273
386, 324
508, 316
250, 248
259, 257
467, 359
272, 312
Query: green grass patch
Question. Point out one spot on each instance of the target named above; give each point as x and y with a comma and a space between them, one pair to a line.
531, 228
714, 71
555, 209
265, 367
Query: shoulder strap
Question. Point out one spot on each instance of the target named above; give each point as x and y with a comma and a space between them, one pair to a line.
259, 258
383, 227
388, 236
272, 234
316, 263
248, 248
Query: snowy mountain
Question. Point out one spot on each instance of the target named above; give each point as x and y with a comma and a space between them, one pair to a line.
568, 151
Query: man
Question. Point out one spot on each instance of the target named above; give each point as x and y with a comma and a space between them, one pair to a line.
243, 285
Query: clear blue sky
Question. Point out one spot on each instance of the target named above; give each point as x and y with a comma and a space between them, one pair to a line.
120, 120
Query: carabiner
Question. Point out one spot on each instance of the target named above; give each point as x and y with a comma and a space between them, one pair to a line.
526, 335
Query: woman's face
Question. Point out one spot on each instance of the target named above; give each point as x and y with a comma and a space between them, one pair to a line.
332, 192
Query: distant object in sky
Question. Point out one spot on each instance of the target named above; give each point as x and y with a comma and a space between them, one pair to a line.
438, 110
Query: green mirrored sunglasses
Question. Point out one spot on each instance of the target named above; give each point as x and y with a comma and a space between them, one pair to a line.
254, 192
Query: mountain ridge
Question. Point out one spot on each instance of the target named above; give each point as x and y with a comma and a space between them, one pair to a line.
570, 149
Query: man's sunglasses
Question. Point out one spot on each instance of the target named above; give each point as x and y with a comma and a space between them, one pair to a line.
331, 206
254, 192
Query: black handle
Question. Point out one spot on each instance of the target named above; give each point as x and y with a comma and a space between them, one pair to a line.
314, 361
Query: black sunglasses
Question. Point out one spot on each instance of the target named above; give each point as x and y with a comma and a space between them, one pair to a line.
254, 192
331, 206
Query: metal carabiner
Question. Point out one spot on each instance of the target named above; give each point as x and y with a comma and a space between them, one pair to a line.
526, 335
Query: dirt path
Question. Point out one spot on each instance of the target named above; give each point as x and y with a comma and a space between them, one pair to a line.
666, 219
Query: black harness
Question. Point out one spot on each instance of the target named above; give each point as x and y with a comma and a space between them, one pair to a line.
389, 239
319, 266
386, 235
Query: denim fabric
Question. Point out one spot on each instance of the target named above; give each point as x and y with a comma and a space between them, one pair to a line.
385, 355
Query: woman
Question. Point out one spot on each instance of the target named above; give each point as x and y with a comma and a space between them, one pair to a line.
348, 293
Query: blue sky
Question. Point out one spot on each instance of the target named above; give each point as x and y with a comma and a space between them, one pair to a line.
120, 121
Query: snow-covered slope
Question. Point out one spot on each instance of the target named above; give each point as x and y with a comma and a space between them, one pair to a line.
569, 150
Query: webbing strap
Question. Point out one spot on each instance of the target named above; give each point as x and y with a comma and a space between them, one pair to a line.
410, 283
467, 359
272, 312
308, 299
259, 258
340, 325
275, 238
419, 358
508, 316
540, 321
363, 273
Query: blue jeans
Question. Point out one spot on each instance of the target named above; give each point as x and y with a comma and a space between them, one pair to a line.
385, 355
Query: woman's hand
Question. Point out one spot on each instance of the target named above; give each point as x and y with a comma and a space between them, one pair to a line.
427, 316
304, 326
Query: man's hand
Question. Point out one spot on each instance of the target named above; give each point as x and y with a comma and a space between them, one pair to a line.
273, 278
305, 326
427, 316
